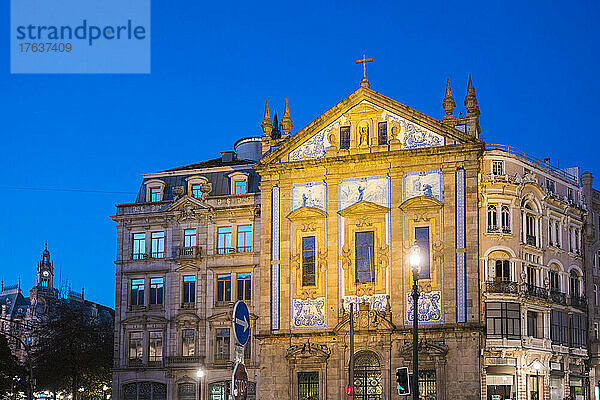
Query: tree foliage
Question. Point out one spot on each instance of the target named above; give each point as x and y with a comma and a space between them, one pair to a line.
73, 348
9, 367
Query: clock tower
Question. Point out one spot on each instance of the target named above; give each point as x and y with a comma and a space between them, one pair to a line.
45, 272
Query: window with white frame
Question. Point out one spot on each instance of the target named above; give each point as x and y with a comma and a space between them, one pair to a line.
492, 218
596, 295
188, 342
155, 347
239, 183
224, 239
497, 167
154, 190
138, 246
244, 238
505, 218
554, 232
157, 244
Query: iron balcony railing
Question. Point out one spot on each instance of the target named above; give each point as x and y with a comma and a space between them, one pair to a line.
558, 297
539, 163
189, 252
502, 287
537, 291
579, 302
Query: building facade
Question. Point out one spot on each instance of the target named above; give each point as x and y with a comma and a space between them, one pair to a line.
534, 303
187, 249
510, 250
343, 200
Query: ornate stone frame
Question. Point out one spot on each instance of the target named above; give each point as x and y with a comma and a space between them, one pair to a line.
308, 221
363, 216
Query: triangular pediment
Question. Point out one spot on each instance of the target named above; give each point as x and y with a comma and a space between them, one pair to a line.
421, 202
306, 213
362, 111
363, 208
144, 319
188, 203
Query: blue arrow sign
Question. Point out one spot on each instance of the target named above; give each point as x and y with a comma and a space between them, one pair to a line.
241, 322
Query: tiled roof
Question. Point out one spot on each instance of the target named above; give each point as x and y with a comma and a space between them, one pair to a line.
217, 162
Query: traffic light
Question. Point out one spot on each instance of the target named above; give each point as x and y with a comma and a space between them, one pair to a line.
349, 391
402, 381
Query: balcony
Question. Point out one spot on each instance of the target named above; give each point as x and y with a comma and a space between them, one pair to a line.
502, 287
493, 229
189, 253
530, 240
185, 360
579, 302
536, 291
506, 229
558, 297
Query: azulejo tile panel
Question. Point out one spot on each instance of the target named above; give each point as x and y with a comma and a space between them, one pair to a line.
309, 313
414, 136
377, 302
315, 146
461, 243
275, 297
275, 223
309, 195
375, 189
423, 183
430, 307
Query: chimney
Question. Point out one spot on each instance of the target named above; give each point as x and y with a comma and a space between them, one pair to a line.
227, 156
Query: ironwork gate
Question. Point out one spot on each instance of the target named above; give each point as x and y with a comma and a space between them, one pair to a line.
367, 376
308, 385
427, 389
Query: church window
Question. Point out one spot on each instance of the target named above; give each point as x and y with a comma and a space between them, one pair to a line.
308, 261
189, 238
196, 190
224, 239
44, 283
158, 244
155, 194
502, 270
188, 342
308, 385
222, 345
224, 287
345, 137
137, 292
382, 133
244, 238
189, 289
244, 287
503, 320
155, 348
497, 167
156, 290
135, 347
365, 263
241, 187
139, 246
422, 240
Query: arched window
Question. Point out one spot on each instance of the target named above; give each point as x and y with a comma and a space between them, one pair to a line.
492, 218
574, 284
554, 278
502, 270
367, 376
505, 219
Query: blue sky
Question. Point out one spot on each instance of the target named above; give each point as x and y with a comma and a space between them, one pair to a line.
534, 67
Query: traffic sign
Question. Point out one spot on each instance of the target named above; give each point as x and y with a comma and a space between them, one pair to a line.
241, 322
239, 382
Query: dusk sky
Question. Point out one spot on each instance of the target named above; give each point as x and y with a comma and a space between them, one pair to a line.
534, 67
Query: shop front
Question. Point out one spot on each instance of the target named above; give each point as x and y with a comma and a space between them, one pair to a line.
500, 380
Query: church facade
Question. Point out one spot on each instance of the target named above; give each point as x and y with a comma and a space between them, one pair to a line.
343, 201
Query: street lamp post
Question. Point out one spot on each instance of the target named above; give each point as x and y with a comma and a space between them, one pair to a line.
415, 261
200, 375
104, 389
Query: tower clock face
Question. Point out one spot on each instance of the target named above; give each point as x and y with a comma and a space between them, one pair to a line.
45, 273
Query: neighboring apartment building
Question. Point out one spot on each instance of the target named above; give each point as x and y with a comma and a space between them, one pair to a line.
532, 220
187, 249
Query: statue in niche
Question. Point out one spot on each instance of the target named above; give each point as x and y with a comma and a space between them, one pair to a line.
364, 135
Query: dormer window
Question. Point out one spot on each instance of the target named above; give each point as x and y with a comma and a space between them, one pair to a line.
239, 183
195, 186
154, 190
